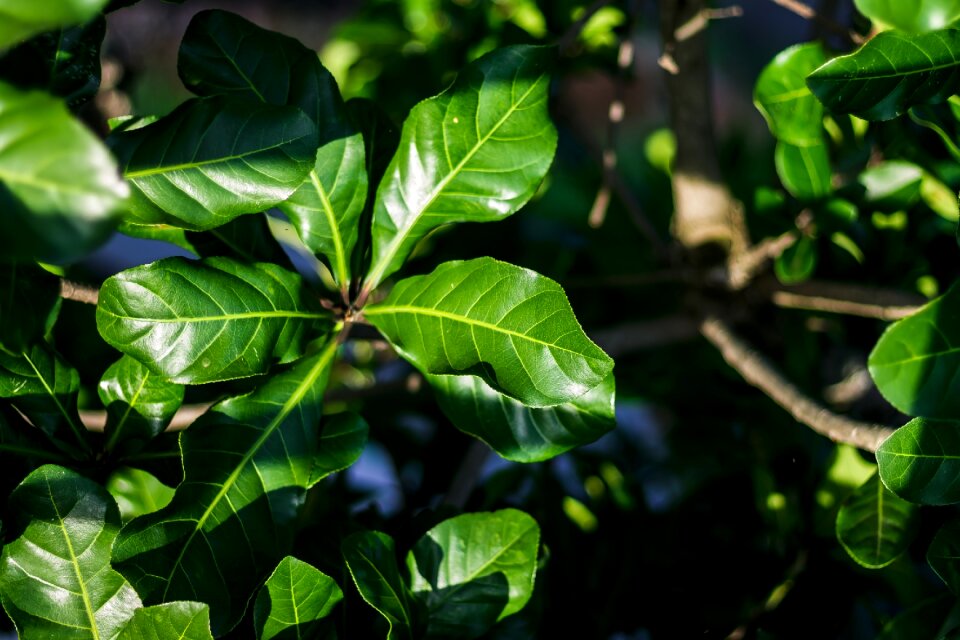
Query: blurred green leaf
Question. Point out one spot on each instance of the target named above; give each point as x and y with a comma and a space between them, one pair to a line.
804, 170
894, 184
944, 555
798, 261
915, 17
19, 20
875, 526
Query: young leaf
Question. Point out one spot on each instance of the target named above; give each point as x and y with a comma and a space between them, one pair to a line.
294, 601
943, 555
875, 526
180, 620
140, 404
804, 169
475, 153
59, 186
894, 184
518, 432
920, 462
915, 17
512, 327
342, 439
19, 20
216, 319
214, 159
474, 570
798, 262
137, 493
29, 302
55, 578
792, 112
372, 561
915, 361
890, 73
247, 463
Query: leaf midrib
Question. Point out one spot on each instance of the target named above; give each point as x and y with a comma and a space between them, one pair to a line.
223, 317
338, 249
143, 173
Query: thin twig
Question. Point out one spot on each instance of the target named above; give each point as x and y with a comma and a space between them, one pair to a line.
744, 267
760, 372
70, 290
808, 13
848, 299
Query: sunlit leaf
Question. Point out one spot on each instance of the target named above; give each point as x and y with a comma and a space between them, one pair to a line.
171, 621
19, 20
294, 602
920, 462
804, 170
792, 112
916, 17
372, 560
137, 493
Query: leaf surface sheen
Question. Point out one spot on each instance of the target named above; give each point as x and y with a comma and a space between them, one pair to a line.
170, 621
508, 325
920, 462
294, 602
918, 16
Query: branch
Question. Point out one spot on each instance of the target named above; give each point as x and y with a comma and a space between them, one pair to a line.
744, 267
848, 299
760, 372
70, 290
808, 13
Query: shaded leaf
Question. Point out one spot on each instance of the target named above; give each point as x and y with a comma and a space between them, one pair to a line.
342, 439
247, 463
235, 321
372, 561
512, 327
890, 73
294, 602
924, 620
894, 184
943, 555
797, 262
804, 170
137, 492
875, 526
19, 20
214, 159
29, 302
59, 186
23, 447
174, 620
474, 569
916, 17
920, 462
475, 153
55, 579
160, 232
792, 112
247, 238
518, 432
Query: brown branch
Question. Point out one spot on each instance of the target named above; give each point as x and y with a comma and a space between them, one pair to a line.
848, 299
468, 475
96, 420
744, 267
808, 13
70, 290
760, 372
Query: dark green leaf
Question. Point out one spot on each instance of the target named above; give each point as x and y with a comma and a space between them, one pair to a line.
894, 184
792, 112
342, 439
798, 261
924, 620
59, 186
247, 238
473, 570
891, 73
247, 463
140, 404
942, 119
916, 17
137, 493
294, 601
875, 526
65, 62
214, 159
372, 561
29, 302
24, 446
19, 20
512, 327
162, 233
920, 462
804, 170
518, 432
475, 153
171, 621
55, 579
216, 319
944, 555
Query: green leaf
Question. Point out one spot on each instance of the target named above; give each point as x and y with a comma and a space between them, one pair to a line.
23, 446
894, 184
55, 578
804, 170
342, 439
137, 492
920, 462
943, 555
160, 232
474, 570
939, 197
915, 361
512, 327
59, 186
875, 526
19, 20
942, 119
174, 620
65, 62
915, 17
216, 319
792, 112
518, 432
924, 620
797, 262
214, 159
29, 302
372, 560
246, 238
140, 404
889, 74
294, 601
475, 153
247, 463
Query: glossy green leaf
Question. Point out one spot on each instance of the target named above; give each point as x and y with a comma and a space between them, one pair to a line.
894, 184
137, 492
891, 73
44, 388
792, 112
140, 404
512, 327
518, 432
246, 238
917, 16
875, 526
797, 262
65, 62
342, 439
171, 621
213, 159
473, 570
475, 153
915, 361
19, 20
247, 463
59, 186
804, 170
920, 462
943, 555
55, 578
29, 302
216, 319
294, 602
372, 560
